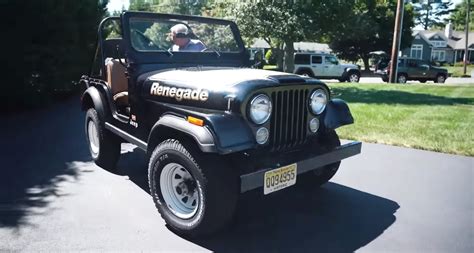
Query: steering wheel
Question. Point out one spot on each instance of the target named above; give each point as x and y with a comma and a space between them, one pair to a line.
145, 41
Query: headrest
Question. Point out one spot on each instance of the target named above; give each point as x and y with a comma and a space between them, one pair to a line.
114, 48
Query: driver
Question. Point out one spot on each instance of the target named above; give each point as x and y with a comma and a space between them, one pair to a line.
182, 41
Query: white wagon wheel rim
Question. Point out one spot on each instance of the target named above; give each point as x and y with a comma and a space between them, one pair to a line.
180, 190
93, 135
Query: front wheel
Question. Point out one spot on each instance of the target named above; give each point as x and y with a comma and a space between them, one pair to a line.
192, 192
440, 79
103, 145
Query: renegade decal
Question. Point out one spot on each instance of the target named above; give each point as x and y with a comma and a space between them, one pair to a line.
179, 93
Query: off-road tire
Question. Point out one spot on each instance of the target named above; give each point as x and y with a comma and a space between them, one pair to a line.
422, 81
107, 151
216, 184
440, 78
329, 141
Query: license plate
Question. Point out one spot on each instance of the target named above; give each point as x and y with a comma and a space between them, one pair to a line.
280, 178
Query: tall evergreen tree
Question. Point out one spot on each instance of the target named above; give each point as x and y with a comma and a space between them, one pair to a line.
430, 13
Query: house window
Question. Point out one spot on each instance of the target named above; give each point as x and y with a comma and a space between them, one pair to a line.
438, 55
438, 43
416, 51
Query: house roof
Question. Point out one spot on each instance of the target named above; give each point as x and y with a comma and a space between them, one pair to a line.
421, 34
461, 40
456, 41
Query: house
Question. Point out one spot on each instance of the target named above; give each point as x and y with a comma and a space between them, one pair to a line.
447, 46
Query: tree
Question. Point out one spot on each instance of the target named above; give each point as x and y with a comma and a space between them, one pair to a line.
370, 28
430, 13
281, 23
48, 45
187, 7
140, 5
458, 16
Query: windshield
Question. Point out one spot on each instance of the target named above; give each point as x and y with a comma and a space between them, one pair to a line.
181, 35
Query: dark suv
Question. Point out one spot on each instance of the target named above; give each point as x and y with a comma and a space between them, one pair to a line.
212, 128
416, 69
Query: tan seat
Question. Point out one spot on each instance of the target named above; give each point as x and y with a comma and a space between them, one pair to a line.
117, 81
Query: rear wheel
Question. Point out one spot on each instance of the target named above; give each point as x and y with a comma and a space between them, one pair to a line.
192, 192
320, 176
103, 145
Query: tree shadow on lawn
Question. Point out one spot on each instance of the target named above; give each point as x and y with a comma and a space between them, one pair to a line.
334, 218
374, 96
37, 154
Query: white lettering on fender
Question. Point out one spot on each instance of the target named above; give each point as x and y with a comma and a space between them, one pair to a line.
179, 93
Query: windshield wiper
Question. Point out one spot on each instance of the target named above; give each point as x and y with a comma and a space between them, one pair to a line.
213, 50
169, 52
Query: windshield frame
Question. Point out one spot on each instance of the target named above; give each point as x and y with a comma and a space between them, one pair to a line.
179, 56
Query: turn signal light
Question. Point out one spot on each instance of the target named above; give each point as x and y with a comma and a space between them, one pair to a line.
195, 121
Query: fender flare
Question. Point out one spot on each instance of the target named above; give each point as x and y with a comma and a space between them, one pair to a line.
201, 135
93, 98
337, 114
347, 71
300, 69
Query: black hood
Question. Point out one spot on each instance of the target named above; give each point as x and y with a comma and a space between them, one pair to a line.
211, 87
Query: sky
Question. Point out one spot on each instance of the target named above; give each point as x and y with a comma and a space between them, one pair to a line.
116, 5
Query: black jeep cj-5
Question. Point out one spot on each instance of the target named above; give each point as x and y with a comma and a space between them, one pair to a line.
211, 127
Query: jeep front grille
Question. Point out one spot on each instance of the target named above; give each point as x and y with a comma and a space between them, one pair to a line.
289, 116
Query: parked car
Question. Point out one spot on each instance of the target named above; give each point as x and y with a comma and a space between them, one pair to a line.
415, 69
212, 128
381, 60
325, 66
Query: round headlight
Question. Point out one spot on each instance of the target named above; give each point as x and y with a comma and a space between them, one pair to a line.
314, 125
262, 135
260, 109
318, 101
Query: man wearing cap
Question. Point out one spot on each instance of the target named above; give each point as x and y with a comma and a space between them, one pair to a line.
182, 41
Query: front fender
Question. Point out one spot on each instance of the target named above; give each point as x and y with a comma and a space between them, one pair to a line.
222, 133
201, 135
231, 132
337, 114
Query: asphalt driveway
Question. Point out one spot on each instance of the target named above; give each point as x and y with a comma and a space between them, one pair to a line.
388, 199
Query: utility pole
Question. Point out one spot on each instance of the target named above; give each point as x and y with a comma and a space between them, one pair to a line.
466, 58
396, 41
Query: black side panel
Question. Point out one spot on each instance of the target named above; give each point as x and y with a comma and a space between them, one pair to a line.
337, 114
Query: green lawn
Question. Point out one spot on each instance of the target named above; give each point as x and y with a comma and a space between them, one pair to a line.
430, 117
458, 71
